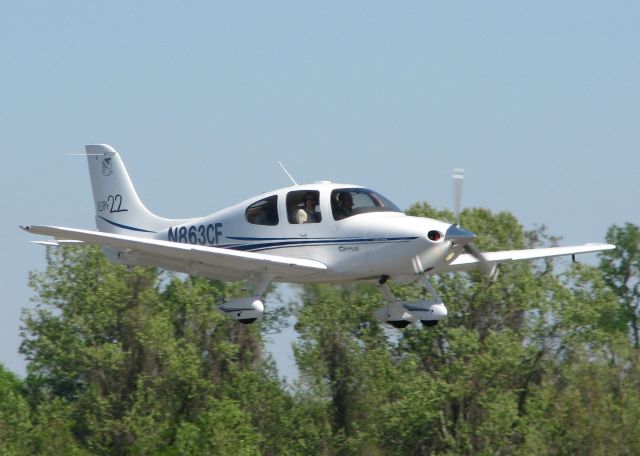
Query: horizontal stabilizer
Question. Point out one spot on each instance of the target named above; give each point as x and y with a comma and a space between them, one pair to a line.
58, 243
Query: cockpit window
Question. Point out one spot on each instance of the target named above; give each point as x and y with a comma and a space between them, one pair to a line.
263, 212
346, 202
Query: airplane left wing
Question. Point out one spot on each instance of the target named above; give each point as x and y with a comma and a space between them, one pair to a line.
212, 262
466, 262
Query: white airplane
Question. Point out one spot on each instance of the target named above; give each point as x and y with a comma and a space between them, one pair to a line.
321, 232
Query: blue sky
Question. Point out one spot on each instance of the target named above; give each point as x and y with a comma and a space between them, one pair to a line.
538, 101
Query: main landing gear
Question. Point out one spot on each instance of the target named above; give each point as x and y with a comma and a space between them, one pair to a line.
400, 314
248, 309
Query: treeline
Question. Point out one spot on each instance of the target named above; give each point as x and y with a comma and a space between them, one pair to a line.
541, 360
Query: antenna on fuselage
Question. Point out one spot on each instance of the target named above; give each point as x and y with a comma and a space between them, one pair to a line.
287, 173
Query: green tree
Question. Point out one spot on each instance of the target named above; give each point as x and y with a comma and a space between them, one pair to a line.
15, 421
338, 349
497, 376
144, 362
41, 431
540, 360
621, 268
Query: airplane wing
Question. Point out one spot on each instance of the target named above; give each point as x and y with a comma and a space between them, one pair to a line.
466, 262
212, 262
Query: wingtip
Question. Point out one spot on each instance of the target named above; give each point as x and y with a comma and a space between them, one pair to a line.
602, 246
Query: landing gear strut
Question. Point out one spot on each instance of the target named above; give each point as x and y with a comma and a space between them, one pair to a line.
248, 309
438, 309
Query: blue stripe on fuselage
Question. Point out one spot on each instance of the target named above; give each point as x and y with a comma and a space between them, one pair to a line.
126, 227
297, 242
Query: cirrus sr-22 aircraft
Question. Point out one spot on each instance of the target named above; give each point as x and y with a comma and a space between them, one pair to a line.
320, 232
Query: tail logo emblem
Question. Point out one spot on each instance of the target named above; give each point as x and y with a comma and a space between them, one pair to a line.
107, 167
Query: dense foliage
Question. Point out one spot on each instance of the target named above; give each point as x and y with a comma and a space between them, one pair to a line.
541, 360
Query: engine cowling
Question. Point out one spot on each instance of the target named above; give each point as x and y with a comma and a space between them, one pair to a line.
245, 310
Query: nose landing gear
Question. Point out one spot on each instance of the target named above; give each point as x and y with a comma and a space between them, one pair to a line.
400, 314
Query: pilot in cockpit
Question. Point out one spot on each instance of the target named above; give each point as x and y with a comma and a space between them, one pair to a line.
344, 208
307, 213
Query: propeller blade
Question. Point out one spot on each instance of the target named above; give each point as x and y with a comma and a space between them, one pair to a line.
458, 177
455, 233
486, 267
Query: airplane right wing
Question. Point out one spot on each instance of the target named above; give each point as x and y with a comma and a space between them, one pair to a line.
466, 262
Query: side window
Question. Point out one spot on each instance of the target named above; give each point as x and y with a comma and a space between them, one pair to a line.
263, 212
303, 207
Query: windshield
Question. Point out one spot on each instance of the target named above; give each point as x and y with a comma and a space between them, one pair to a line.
346, 202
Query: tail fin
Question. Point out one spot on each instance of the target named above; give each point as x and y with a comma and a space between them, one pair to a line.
118, 207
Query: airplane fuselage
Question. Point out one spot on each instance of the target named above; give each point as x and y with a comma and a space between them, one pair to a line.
378, 241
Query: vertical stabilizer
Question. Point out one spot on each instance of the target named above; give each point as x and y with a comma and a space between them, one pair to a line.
118, 207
